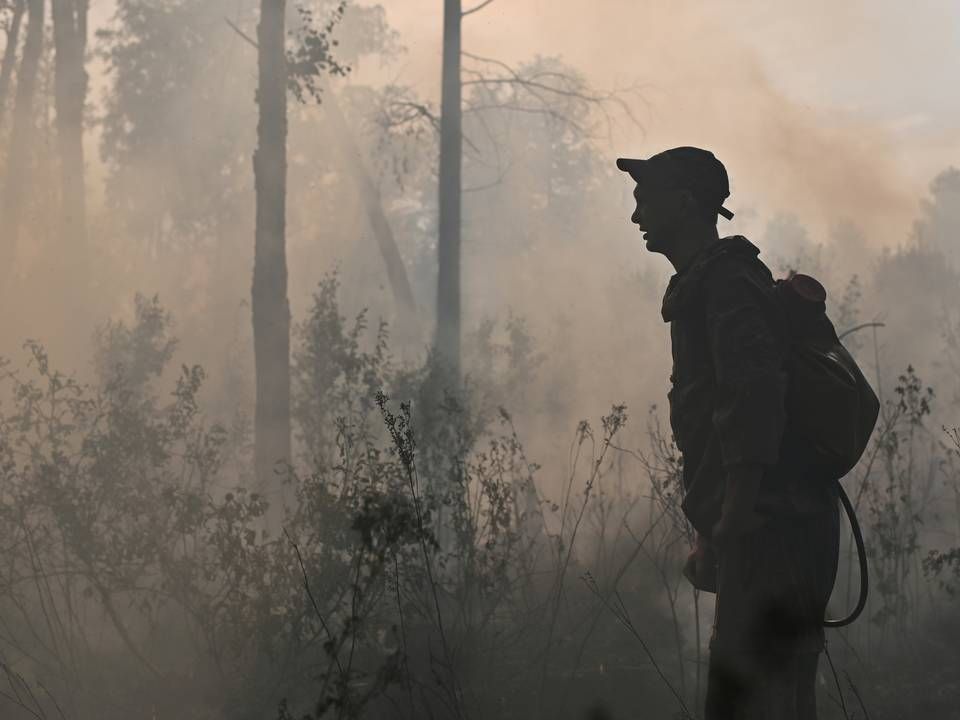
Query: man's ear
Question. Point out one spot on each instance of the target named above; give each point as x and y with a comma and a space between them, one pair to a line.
688, 202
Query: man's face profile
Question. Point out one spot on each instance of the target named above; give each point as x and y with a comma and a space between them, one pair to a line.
659, 215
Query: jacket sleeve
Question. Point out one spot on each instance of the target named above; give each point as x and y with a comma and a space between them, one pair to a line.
745, 332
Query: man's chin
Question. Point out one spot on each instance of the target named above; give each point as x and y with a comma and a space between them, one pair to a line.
652, 244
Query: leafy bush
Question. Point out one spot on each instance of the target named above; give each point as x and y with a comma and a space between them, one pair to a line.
421, 570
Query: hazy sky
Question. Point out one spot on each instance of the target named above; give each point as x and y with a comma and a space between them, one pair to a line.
819, 104
827, 107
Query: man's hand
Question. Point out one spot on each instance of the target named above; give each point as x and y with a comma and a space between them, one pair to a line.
737, 515
701, 566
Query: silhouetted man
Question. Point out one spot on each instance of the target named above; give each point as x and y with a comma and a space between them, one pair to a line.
767, 520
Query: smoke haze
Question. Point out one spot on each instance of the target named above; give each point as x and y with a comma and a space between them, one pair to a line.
840, 130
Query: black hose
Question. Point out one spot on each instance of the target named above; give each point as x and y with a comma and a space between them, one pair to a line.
862, 556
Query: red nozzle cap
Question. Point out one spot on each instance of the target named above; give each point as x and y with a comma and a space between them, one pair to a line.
807, 287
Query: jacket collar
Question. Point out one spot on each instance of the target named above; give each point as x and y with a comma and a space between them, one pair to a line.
683, 285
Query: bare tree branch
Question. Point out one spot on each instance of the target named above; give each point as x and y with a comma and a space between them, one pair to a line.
544, 88
241, 33
472, 10
548, 86
486, 186
414, 110
492, 142
861, 327
491, 61
527, 83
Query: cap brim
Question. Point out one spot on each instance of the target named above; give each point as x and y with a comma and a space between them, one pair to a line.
633, 166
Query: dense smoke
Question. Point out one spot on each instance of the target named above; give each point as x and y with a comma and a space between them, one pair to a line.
128, 406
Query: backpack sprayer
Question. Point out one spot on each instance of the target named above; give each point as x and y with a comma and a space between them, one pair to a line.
829, 401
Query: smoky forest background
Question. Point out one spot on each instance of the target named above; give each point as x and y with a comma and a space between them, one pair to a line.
333, 373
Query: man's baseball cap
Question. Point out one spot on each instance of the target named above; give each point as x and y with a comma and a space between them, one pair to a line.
684, 167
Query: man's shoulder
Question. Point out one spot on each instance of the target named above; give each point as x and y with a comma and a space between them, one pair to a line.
731, 258
721, 266
731, 252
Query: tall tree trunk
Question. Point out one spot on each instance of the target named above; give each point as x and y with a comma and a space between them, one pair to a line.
448, 247
10, 54
353, 164
271, 309
70, 94
21, 137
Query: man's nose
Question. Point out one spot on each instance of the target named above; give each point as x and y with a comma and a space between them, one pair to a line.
637, 217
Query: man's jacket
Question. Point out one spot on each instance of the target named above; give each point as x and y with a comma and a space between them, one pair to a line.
729, 342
